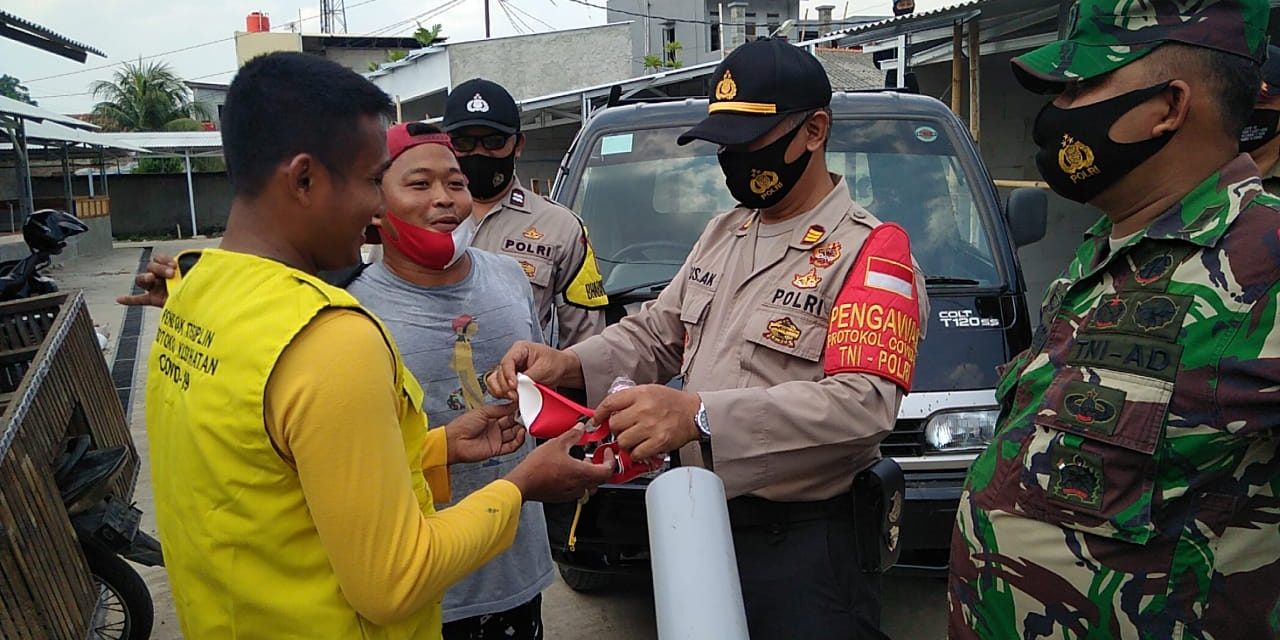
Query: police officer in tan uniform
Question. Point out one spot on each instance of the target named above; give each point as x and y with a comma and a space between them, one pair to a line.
548, 240
794, 324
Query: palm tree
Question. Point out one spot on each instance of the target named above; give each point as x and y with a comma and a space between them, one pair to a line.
145, 97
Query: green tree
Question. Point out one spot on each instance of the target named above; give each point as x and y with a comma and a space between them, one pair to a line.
11, 87
426, 36
669, 60
144, 97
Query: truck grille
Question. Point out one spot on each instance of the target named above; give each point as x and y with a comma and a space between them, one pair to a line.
906, 440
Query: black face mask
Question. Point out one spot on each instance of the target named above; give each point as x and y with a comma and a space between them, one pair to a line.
1077, 156
1263, 127
762, 178
486, 176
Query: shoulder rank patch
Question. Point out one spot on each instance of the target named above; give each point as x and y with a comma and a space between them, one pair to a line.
783, 331
586, 289
532, 233
875, 323
814, 234
517, 197
826, 255
809, 280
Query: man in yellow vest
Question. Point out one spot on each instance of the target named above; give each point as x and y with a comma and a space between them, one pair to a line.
292, 467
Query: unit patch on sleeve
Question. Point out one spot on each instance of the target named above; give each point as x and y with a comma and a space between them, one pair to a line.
875, 322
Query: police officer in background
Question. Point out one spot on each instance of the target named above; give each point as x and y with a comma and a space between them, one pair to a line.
1261, 137
794, 325
548, 240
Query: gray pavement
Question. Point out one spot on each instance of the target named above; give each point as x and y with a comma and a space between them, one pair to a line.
915, 608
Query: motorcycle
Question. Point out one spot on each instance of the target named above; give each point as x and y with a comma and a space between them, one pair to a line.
105, 525
45, 232
108, 531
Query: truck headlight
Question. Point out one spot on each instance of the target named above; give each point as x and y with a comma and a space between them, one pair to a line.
961, 430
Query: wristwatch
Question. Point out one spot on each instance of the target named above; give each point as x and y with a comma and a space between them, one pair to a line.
704, 425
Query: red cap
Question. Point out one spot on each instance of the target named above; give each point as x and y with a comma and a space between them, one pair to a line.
399, 140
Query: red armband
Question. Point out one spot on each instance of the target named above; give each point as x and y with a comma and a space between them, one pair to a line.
875, 322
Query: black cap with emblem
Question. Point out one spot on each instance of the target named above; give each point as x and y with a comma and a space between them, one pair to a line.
481, 103
756, 87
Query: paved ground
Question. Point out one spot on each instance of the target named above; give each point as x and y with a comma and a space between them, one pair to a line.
914, 607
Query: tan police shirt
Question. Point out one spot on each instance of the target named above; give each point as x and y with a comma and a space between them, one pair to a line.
550, 243
766, 346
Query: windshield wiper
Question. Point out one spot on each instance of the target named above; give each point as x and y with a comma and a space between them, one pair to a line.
653, 287
949, 281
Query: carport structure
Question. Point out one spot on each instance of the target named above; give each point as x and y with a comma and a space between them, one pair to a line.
173, 144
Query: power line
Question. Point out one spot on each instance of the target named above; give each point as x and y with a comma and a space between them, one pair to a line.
659, 18
519, 27
166, 53
526, 13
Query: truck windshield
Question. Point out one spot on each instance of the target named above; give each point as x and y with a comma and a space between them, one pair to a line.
646, 200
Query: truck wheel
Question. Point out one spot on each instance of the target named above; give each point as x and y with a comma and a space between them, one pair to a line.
124, 609
585, 581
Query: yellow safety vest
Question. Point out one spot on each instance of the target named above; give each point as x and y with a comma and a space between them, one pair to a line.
243, 555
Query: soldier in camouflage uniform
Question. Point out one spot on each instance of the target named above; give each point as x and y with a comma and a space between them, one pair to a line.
1132, 488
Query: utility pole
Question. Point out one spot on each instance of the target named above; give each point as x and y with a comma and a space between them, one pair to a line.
486, 19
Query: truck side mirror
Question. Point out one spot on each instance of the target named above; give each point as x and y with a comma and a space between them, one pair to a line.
1028, 213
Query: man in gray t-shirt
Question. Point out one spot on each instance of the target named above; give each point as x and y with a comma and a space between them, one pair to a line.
449, 337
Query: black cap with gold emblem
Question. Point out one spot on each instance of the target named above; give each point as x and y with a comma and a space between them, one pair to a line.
756, 87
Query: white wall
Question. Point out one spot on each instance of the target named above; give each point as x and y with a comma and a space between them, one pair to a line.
531, 66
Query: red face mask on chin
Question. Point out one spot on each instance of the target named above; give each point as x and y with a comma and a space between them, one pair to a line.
428, 248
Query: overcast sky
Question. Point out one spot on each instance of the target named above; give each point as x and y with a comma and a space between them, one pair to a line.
127, 29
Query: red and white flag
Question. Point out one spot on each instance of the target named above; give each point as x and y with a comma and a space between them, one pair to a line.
547, 414
890, 275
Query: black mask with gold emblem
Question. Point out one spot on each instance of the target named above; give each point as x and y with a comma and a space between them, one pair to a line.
762, 178
1077, 156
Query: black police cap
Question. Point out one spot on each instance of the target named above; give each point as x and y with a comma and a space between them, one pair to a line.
1271, 70
481, 103
756, 87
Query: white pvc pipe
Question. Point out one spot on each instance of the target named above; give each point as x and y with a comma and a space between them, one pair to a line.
696, 591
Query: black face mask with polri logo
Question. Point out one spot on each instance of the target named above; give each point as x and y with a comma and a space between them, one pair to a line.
762, 178
1077, 156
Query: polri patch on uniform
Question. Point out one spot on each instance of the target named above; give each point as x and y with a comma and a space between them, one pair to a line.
783, 331
826, 255
1092, 407
529, 269
1076, 477
532, 233
517, 197
814, 234
809, 280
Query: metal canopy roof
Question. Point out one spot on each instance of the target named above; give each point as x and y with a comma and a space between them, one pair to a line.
52, 132
169, 143
30, 33
17, 108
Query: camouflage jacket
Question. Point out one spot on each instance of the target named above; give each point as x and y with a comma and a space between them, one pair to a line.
1131, 488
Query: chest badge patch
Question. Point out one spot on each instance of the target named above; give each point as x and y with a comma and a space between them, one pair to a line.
532, 233
1154, 269
814, 234
1109, 314
1088, 408
809, 280
529, 269
782, 331
1155, 313
1077, 478
825, 255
